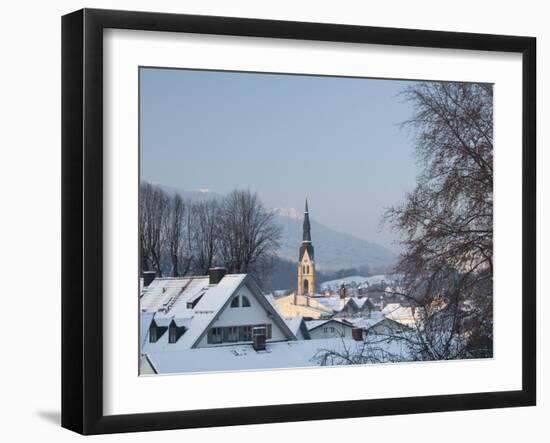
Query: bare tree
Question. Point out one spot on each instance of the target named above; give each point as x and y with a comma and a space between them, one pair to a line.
204, 229
249, 234
372, 349
174, 237
447, 220
153, 205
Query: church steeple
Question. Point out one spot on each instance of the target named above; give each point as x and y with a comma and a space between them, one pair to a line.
307, 228
306, 261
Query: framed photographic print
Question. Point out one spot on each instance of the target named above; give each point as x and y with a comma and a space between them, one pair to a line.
309, 220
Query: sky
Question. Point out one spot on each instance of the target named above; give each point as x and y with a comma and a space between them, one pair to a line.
336, 140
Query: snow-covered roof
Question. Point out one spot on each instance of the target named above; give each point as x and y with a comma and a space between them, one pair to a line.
163, 322
294, 323
401, 314
359, 280
335, 303
390, 307
174, 299
168, 297
292, 354
313, 324
367, 322
145, 319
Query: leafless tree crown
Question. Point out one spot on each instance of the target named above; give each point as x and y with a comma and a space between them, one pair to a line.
179, 238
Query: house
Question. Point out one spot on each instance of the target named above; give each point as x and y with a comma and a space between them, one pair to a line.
298, 327
294, 305
379, 325
290, 354
357, 307
207, 311
406, 315
332, 328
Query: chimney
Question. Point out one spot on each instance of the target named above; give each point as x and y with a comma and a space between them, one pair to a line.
148, 277
258, 338
216, 274
357, 334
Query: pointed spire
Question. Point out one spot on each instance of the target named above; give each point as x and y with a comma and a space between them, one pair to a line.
307, 227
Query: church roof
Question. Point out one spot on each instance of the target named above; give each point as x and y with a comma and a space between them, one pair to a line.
306, 237
307, 227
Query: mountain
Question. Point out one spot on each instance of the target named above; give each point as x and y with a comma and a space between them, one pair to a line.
192, 196
334, 250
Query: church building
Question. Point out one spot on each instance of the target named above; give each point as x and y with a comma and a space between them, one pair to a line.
306, 260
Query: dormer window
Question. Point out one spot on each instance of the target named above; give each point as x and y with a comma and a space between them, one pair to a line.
175, 332
245, 302
235, 302
153, 334
156, 332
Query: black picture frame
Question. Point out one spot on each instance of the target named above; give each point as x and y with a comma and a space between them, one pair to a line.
82, 218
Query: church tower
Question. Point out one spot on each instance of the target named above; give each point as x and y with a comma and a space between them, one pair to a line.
306, 262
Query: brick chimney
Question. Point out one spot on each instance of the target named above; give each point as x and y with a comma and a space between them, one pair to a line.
357, 334
216, 274
148, 277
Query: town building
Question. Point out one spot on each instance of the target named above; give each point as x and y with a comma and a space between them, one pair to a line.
332, 328
208, 311
306, 260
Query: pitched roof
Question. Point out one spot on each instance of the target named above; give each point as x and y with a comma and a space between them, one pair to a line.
314, 324
294, 323
145, 319
168, 298
292, 354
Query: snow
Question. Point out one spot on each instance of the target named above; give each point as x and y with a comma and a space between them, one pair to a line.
292, 354
359, 280
402, 314
312, 324
145, 319
366, 322
291, 213
294, 323
334, 303
168, 297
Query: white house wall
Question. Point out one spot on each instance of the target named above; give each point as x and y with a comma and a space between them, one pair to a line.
253, 315
340, 330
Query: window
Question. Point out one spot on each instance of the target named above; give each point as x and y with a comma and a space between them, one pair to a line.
156, 332
192, 303
231, 334
172, 334
215, 335
245, 333
235, 302
268, 335
307, 269
245, 302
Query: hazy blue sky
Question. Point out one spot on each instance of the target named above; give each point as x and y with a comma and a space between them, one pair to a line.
336, 140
